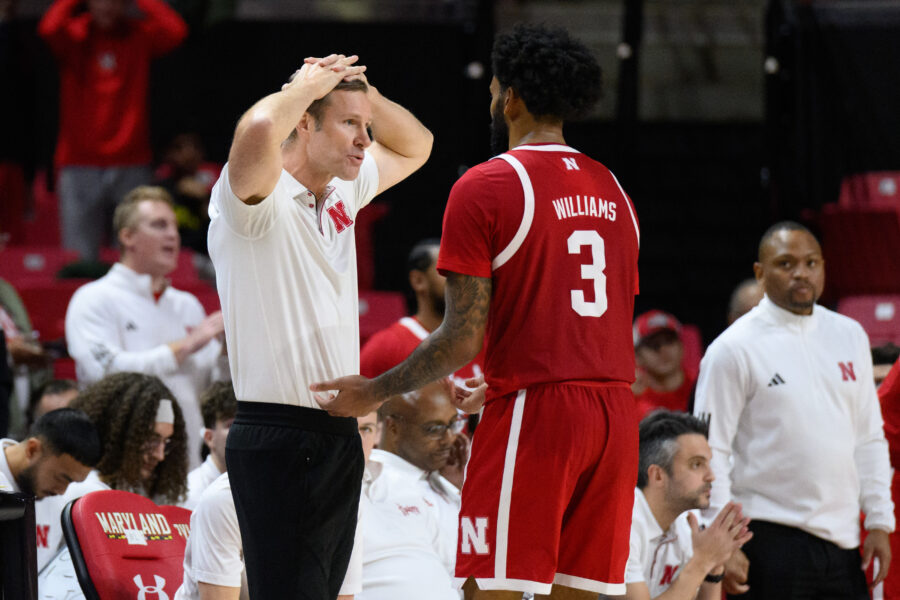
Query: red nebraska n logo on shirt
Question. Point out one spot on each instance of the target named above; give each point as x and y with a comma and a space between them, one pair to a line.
847, 371
668, 575
42, 533
339, 216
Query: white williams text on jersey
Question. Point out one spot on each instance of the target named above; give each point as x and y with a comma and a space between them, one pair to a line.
584, 206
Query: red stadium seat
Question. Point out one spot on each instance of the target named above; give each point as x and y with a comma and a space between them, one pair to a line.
29, 263
862, 249
879, 316
865, 189
123, 546
47, 302
378, 310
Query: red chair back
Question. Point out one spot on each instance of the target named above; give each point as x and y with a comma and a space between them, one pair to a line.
378, 310
879, 315
864, 189
47, 302
30, 263
123, 546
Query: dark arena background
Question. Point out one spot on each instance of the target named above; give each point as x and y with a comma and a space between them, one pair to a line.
718, 117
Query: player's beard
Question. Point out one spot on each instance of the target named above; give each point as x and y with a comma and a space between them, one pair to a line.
499, 131
26, 480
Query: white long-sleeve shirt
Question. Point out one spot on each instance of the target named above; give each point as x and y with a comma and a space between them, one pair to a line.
116, 324
795, 425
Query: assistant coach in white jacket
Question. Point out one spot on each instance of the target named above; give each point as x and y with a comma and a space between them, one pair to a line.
796, 433
133, 320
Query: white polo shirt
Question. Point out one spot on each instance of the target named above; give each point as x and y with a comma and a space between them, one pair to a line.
286, 275
409, 529
198, 480
7, 481
213, 553
656, 556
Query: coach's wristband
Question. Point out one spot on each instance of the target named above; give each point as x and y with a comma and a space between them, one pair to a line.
710, 578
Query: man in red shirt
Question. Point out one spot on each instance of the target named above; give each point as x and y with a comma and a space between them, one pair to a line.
540, 250
662, 381
388, 347
103, 149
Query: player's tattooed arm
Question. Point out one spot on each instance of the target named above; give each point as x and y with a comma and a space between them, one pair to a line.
456, 342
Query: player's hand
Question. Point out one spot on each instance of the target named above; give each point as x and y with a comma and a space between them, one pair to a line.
455, 469
877, 545
737, 569
354, 397
472, 399
320, 75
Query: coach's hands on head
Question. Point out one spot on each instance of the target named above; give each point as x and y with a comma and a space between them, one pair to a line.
320, 75
355, 396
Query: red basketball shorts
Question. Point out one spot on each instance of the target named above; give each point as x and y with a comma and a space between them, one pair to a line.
549, 490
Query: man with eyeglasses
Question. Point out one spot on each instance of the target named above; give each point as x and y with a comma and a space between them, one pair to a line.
409, 511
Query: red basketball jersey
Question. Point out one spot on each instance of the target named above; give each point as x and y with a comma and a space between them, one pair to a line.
389, 347
559, 238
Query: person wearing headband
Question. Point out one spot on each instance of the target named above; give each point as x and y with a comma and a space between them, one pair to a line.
144, 444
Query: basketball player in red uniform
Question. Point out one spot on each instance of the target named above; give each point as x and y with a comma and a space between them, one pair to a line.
540, 249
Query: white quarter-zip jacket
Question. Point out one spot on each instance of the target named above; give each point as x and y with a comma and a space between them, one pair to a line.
795, 425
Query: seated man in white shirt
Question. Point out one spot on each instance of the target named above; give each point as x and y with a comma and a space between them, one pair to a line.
213, 557
671, 556
410, 512
218, 406
62, 447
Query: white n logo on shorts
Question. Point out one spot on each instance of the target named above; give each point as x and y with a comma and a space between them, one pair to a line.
474, 535
570, 163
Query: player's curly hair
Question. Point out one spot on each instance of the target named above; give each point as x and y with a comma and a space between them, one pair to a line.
123, 407
555, 75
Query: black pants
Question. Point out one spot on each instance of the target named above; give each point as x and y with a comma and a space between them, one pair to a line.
790, 564
295, 476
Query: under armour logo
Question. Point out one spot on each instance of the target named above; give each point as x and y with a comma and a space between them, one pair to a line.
570, 163
777, 380
130, 326
151, 589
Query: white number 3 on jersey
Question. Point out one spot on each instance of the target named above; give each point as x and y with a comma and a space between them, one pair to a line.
592, 270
